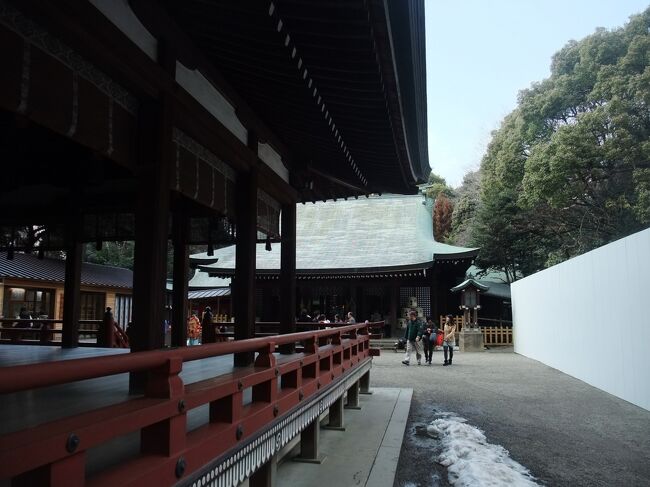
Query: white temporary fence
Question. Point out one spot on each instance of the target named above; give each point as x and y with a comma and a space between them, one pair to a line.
590, 317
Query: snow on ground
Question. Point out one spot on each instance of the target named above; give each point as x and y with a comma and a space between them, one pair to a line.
471, 460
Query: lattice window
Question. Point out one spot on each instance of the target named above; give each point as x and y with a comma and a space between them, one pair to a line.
329, 291
374, 291
422, 294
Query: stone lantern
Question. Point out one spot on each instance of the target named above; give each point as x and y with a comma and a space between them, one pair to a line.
471, 337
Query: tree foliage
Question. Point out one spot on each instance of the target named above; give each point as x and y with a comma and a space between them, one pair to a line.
437, 185
117, 254
442, 214
569, 168
466, 205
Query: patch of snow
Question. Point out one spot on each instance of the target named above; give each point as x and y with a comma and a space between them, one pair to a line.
471, 460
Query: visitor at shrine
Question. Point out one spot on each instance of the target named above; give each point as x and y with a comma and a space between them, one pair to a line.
208, 329
449, 339
24, 315
350, 319
413, 337
193, 329
429, 336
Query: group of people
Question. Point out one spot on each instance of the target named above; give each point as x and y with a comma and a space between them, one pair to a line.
420, 335
203, 330
322, 318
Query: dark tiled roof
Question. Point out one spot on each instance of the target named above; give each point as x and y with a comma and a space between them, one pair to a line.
28, 266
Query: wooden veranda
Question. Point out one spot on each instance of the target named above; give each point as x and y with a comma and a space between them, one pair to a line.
172, 124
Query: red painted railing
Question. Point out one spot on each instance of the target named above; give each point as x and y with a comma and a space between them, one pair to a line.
55, 453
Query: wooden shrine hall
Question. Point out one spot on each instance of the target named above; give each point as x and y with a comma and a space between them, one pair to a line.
179, 123
369, 256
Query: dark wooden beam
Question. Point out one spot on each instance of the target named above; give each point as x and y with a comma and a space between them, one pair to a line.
151, 230
434, 293
180, 230
72, 286
244, 280
273, 184
288, 274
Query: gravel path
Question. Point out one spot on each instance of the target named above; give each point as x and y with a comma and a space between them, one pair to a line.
565, 431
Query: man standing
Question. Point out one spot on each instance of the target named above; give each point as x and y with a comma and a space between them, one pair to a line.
413, 337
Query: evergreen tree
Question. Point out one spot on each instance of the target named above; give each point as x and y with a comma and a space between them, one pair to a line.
569, 168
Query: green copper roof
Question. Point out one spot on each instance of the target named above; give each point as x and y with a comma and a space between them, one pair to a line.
202, 280
378, 233
469, 282
496, 280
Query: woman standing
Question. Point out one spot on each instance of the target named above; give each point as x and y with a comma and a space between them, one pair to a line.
449, 339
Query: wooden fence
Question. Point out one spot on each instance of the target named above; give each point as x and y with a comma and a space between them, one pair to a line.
494, 335
497, 335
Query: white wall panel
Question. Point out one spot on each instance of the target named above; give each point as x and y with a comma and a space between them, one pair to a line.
590, 317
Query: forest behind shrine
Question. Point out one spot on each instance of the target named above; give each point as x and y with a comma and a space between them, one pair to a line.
569, 168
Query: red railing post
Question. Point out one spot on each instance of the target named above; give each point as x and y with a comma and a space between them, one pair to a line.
161, 418
311, 344
266, 391
168, 436
265, 357
69, 471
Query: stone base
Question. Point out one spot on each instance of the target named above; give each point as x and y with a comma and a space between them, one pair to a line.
471, 341
317, 461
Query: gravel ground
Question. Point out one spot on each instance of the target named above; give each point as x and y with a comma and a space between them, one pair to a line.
565, 431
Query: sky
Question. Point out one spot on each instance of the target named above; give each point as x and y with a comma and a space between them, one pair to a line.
481, 53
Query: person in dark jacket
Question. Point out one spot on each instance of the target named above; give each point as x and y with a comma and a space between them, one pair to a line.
429, 339
208, 329
413, 337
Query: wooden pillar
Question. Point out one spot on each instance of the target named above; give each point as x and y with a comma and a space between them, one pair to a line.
353, 397
364, 384
309, 439
433, 295
246, 243
360, 316
266, 475
180, 231
151, 230
72, 286
336, 416
393, 292
288, 275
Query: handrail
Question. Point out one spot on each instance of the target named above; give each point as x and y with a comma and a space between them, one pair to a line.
22, 377
168, 451
46, 321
